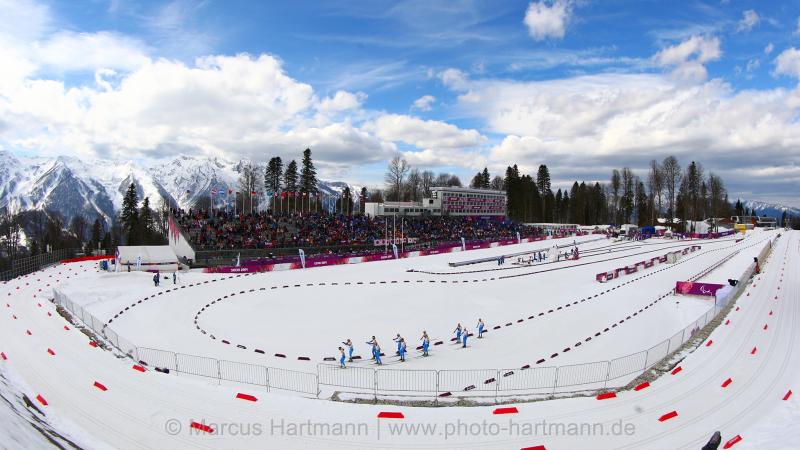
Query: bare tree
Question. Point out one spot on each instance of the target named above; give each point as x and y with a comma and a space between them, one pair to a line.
671, 173
441, 179
454, 181
414, 184
615, 186
497, 183
655, 186
78, 227
395, 175
426, 183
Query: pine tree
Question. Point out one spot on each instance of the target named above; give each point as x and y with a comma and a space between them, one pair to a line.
486, 179
308, 174
146, 222
97, 230
543, 184
129, 216
290, 177
273, 174
362, 199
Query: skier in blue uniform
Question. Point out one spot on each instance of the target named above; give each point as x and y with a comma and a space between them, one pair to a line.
349, 344
398, 339
372, 343
464, 337
426, 342
341, 358
458, 333
402, 349
480, 328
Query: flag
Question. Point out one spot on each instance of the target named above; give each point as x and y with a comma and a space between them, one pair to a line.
252, 192
230, 191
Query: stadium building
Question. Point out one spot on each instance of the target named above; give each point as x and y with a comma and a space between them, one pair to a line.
446, 201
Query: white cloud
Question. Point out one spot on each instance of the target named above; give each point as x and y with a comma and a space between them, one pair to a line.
453, 78
424, 134
769, 48
548, 18
688, 57
69, 51
424, 103
342, 101
797, 30
584, 126
749, 20
788, 63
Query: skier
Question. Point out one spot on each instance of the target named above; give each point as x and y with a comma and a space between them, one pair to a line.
373, 343
464, 336
402, 349
341, 358
426, 342
480, 328
175, 277
155, 280
378, 354
458, 333
349, 344
399, 341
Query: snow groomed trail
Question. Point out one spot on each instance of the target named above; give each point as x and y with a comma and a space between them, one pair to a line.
731, 382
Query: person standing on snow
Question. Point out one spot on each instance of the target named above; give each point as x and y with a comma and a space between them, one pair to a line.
426, 342
464, 336
349, 344
341, 358
373, 343
480, 328
399, 341
402, 349
457, 331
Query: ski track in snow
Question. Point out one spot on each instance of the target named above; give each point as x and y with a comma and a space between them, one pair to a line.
136, 407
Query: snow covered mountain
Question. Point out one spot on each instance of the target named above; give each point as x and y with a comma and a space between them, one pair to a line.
770, 209
95, 188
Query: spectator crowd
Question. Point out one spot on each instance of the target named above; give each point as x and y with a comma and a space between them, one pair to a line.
226, 231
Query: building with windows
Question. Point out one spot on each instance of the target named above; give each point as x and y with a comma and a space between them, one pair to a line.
447, 201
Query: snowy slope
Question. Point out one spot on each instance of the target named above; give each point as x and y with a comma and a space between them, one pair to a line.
152, 410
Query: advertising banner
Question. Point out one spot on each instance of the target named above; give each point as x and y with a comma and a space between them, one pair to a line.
697, 288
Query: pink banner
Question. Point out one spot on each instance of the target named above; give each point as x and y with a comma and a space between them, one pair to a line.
696, 288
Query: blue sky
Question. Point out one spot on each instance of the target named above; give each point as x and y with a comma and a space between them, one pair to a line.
582, 86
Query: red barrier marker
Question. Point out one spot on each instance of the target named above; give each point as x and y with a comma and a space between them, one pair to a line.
765, 327
3, 355
100, 386
668, 416
202, 427
607, 395
733, 441
727, 322
139, 368
49, 350
676, 370
644, 385
41, 400
753, 351
737, 308
93, 343
770, 313
727, 382
247, 397
390, 415
708, 344
538, 447
788, 394
29, 332
66, 328
510, 410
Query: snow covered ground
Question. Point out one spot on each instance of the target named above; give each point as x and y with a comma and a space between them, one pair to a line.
153, 410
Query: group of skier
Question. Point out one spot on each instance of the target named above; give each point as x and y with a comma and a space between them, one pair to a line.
461, 338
